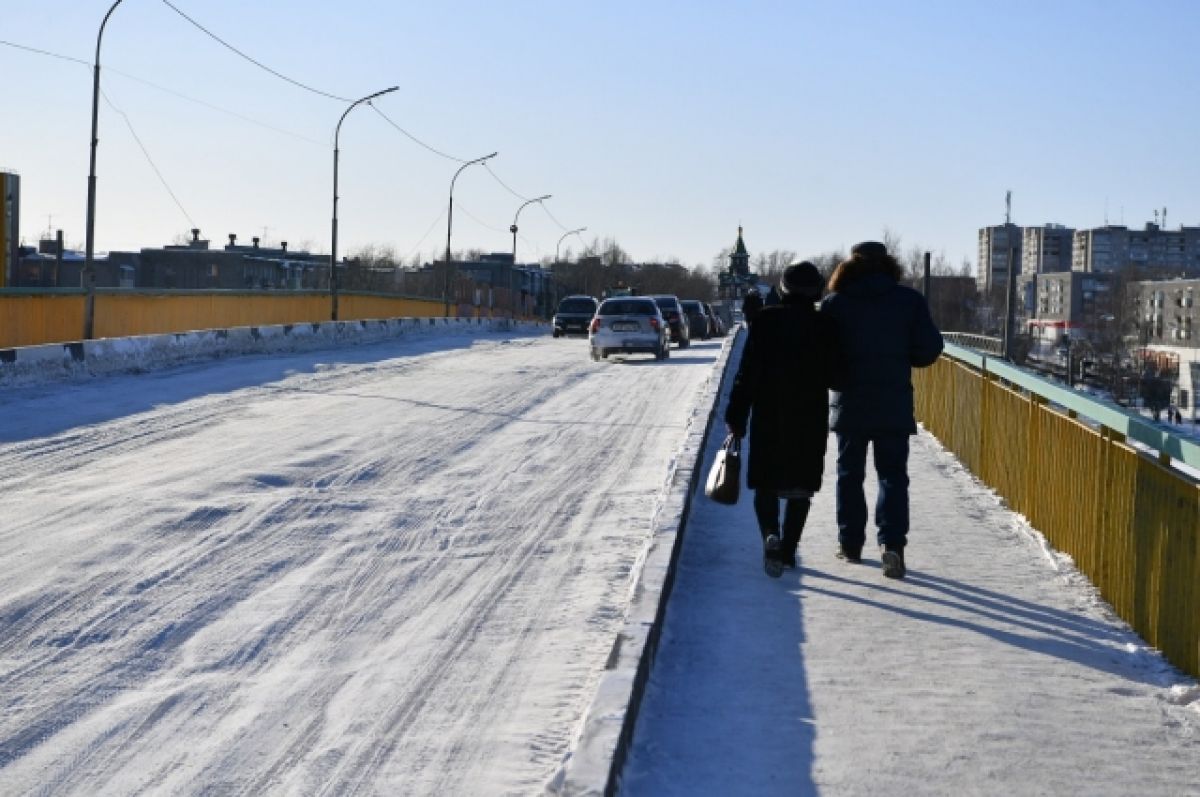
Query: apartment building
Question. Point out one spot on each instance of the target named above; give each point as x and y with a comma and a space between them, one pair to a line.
995, 243
1152, 249
1046, 249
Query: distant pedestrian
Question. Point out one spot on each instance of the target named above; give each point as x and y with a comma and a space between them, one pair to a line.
751, 305
781, 388
884, 330
772, 298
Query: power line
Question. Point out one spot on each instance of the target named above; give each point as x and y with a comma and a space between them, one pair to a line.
506, 186
166, 90
44, 52
479, 221
257, 63
561, 226
149, 159
414, 139
426, 235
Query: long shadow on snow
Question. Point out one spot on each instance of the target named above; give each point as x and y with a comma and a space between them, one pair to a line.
1038, 629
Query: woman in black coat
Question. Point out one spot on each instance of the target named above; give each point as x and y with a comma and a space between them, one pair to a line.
781, 388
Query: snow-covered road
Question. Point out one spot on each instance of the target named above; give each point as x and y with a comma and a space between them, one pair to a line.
395, 569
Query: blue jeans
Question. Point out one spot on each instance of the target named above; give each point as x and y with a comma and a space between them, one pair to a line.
891, 506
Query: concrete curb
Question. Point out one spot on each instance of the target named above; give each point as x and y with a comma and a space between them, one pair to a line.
595, 763
89, 358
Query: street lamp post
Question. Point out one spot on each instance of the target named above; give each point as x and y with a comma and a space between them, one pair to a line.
89, 262
564, 235
512, 297
450, 225
333, 279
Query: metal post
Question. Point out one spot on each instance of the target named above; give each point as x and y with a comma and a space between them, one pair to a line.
333, 278
925, 280
512, 298
450, 224
89, 259
560, 240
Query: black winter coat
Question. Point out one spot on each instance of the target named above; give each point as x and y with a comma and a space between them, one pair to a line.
750, 307
782, 387
884, 330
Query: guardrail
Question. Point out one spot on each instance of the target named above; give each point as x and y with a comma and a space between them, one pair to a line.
1108, 487
981, 343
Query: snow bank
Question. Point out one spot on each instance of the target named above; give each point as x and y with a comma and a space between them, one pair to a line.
81, 359
594, 765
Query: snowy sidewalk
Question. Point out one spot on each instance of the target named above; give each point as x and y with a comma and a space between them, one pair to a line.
992, 669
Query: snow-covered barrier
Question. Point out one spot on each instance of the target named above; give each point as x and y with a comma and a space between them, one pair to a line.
598, 754
146, 352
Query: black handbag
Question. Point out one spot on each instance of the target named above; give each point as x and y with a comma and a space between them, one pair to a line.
725, 477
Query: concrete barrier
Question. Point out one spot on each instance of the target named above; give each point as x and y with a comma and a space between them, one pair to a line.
596, 760
88, 358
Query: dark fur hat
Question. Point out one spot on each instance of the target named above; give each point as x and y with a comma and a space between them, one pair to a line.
801, 278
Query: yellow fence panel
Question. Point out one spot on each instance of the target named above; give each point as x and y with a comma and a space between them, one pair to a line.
36, 319
1131, 524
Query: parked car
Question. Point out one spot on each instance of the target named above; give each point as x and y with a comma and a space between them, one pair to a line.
672, 311
697, 319
629, 325
717, 323
574, 314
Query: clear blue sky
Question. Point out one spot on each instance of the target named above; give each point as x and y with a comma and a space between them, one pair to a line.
661, 124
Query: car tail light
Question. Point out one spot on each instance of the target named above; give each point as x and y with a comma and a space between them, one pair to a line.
654, 323
595, 325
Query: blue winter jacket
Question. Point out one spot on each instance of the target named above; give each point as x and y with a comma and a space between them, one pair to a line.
884, 330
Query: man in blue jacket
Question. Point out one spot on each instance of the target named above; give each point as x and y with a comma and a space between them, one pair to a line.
885, 330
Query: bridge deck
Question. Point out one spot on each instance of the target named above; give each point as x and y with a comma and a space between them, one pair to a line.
994, 668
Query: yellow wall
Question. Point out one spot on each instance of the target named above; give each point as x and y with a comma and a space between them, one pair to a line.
28, 319
1131, 524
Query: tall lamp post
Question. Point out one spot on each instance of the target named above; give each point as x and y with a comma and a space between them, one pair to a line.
564, 235
450, 225
512, 293
333, 279
89, 262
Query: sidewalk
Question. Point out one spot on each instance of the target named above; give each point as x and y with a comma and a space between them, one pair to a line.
992, 669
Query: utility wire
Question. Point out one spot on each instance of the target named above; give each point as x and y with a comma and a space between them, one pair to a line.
561, 226
506, 186
259, 64
149, 159
153, 85
44, 52
414, 139
441, 216
479, 221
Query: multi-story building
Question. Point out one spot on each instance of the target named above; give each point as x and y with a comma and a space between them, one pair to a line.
1168, 325
1114, 247
1046, 249
995, 244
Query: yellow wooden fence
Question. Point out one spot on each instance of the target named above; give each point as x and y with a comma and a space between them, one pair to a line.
1130, 520
30, 318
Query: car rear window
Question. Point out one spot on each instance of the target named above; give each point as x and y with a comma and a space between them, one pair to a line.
628, 307
692, 307
667, 302
577, 306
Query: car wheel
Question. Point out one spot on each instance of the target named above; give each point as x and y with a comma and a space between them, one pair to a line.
683, 344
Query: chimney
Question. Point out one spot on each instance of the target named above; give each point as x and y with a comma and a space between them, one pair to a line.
233, 239
283, 245
255, 240
195, 235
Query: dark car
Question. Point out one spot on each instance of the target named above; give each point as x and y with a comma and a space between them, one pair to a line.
698, 321
574, 315
672, 311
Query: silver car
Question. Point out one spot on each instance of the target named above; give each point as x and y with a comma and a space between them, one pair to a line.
628, 325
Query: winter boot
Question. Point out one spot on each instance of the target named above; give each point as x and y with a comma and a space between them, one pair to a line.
849, 553
893, 561
772, 561
793, 526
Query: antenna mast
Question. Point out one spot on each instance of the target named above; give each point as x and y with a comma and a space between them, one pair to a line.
1007, 207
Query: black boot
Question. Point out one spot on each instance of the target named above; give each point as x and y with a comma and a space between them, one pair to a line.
793, 525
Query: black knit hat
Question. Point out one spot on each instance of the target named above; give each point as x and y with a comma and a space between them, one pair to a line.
869, 250
801, 278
